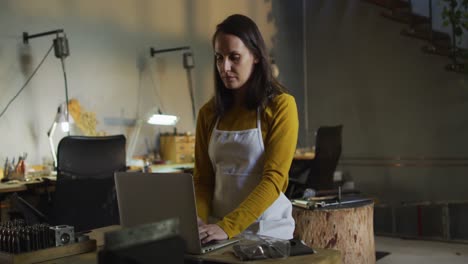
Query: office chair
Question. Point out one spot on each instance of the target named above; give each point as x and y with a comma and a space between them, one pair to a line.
317, 173
85, 190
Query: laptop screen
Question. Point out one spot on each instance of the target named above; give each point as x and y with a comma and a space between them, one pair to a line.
150, 197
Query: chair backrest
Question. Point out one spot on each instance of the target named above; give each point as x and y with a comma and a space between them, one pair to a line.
85, 190
328, 144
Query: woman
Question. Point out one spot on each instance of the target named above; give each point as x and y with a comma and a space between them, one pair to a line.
245, 140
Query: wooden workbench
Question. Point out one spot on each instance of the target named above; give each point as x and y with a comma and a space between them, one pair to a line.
224, 255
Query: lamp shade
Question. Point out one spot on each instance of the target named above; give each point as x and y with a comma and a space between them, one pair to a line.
61, 118
163, 120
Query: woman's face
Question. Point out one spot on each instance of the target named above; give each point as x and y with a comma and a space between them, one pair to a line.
234, 60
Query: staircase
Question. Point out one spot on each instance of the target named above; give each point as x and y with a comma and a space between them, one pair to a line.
420, 18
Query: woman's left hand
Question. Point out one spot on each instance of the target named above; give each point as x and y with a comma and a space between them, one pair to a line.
211, 232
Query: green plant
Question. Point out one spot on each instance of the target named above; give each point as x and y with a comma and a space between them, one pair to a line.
455, 13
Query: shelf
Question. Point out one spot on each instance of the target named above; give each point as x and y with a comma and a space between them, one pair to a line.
389, 4
444, 51
456, 67
426, 33
405, 17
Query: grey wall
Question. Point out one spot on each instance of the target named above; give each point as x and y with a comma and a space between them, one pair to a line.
109, 70
392, 99
288, 52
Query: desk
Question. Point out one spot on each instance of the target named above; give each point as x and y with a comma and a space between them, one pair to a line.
10, 188
6, 189
176, 167
224, 255
23, 186
304, 156
37, 184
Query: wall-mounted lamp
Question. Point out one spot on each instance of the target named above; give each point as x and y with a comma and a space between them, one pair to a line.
162, 119
60, 42
61, 51
153, 117
189, 64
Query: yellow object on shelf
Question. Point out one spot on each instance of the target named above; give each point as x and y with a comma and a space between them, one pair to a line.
84, 120
177, 148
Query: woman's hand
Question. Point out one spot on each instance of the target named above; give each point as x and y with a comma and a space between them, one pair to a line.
211, 232
200, 221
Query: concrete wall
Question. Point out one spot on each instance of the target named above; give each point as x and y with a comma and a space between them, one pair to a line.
109, 70
392, 99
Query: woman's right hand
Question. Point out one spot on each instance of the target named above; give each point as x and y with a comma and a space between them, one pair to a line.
200, 221
211, 232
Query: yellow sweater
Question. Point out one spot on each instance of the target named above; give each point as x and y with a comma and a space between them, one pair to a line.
280, 125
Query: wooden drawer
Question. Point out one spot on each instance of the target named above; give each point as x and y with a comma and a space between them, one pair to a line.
183, 139
185, 147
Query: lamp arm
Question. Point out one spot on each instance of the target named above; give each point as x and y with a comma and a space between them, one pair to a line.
50, 134
26, 36
133, 140
153, 51
192, 97
67, 116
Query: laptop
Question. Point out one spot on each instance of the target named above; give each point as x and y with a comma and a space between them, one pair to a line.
151, 197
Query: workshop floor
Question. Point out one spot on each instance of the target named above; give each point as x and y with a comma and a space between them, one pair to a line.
419, 251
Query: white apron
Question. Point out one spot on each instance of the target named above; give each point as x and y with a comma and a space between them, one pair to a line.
238, 159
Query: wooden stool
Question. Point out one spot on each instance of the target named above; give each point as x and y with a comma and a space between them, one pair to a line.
349, 229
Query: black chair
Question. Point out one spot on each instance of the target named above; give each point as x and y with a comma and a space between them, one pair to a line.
85, 190
317, 173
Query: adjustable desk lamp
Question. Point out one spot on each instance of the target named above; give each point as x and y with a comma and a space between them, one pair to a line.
189, 63
155, 116
61, 51
60, 118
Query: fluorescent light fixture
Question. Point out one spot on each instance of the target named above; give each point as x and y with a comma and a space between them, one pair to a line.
163, 120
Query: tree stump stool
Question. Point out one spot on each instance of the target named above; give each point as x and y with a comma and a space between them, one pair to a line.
348, 228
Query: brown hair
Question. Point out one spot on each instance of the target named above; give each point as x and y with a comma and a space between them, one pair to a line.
262, 86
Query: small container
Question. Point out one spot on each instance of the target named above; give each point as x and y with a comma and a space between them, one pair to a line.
262, 247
